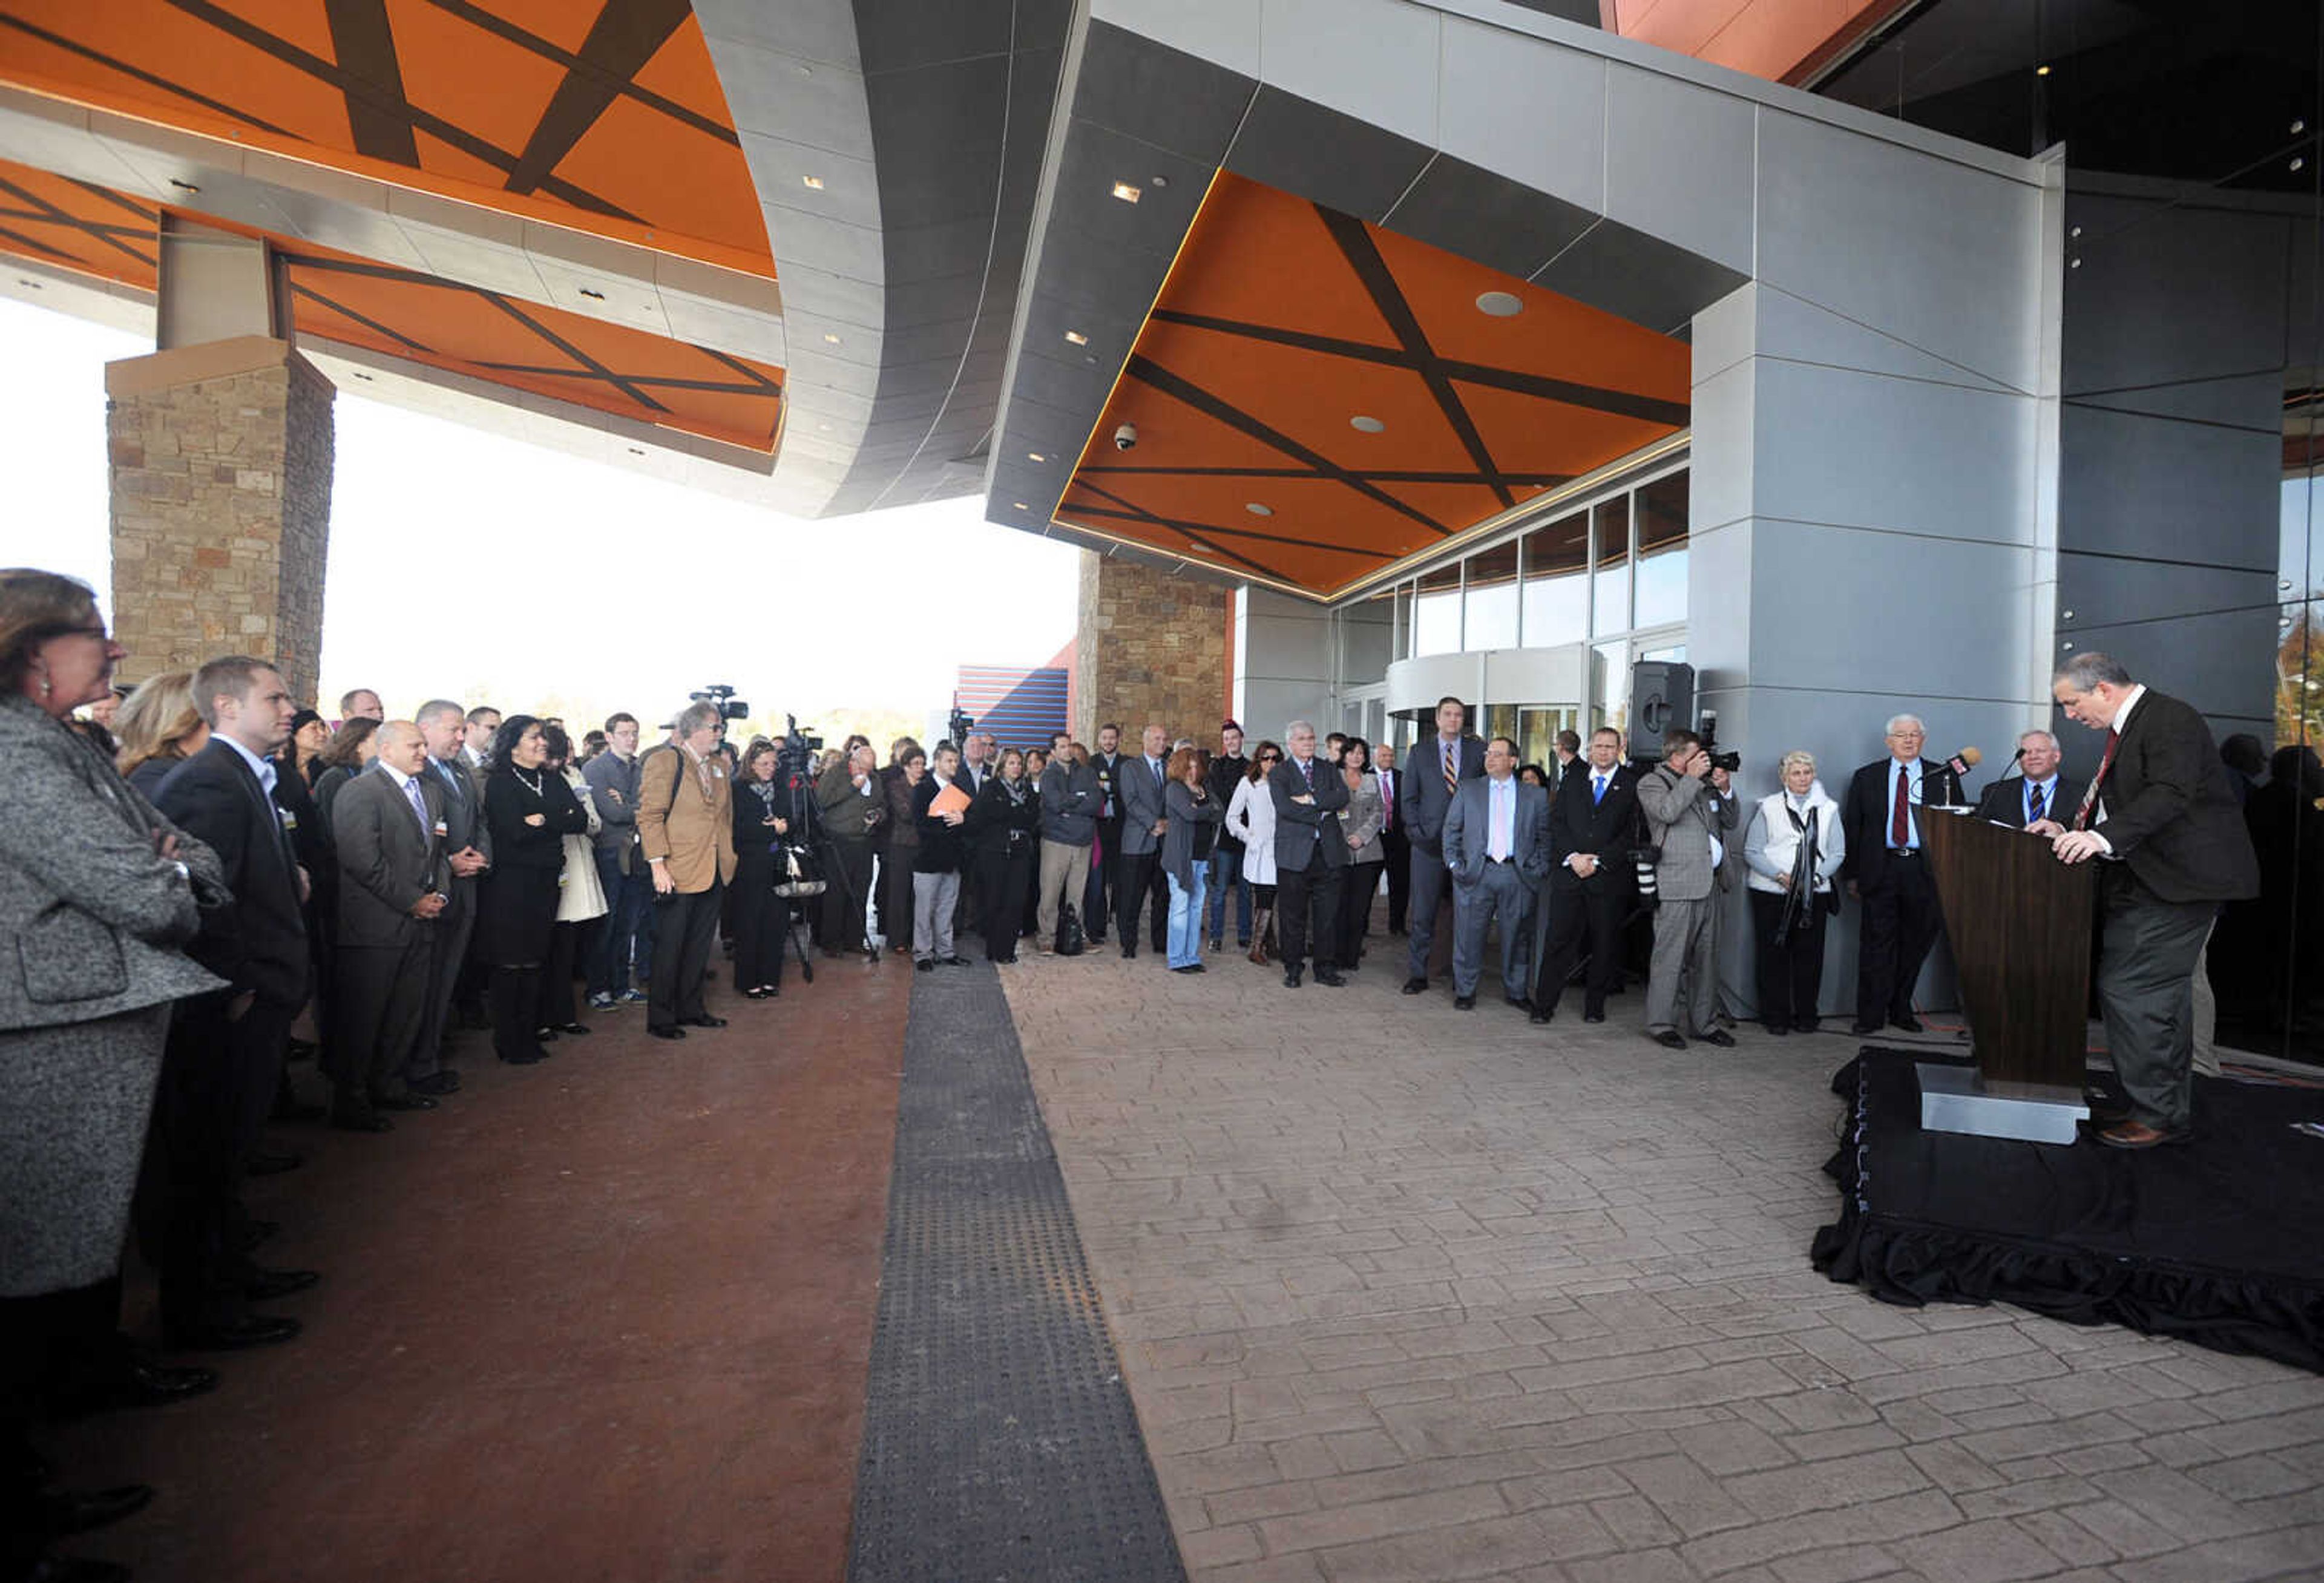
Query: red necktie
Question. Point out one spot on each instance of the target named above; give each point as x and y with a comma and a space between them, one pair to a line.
1900, 820
2090, 798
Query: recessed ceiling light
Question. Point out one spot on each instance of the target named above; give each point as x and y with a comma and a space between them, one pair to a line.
1076, 337
1364, 425
1161, 181
1257, 510
2041, 71
1019, 504
831, 338
815, 183
1035, 457
1127, 192
1501, 305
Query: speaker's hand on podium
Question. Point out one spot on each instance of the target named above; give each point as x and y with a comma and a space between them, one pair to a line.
2050, 827
2075, 846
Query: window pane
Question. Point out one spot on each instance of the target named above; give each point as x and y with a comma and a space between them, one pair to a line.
1611, 610
1500, 721
1491, 618
1613, 702
1404, 621
1436, 624
1556, 583
1660, 592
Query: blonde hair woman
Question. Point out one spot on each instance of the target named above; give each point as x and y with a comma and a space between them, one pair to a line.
159, 729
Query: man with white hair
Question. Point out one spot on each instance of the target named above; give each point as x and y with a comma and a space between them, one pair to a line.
1310, 855
1881, 815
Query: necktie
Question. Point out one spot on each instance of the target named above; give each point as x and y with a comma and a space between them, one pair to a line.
1900, 820
2034, 801
418, 804
1503, 809
1307, 768
1452, 767
451, 780
1387, 798
1597, 790
2090, 798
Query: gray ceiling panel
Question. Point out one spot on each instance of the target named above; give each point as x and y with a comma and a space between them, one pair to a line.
805, 235
1322, 154
1489, 219
897, 36
1092, 273
814, 295
953, 299
1159, 95
1096, 158
1643, 279
952, 247
1074, 386
813, 30
938, 133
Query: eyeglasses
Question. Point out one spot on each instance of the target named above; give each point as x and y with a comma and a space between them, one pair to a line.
98, 632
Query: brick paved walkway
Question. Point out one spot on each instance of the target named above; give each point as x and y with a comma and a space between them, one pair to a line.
1408, 1293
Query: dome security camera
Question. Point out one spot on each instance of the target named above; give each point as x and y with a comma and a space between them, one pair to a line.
1125, 438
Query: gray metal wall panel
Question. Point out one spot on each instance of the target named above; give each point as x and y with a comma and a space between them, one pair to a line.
1679, 164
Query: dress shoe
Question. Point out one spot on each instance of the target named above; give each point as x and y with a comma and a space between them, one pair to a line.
1669, 1039
436, 1082
668, 1033
296, 1110
75, 1569
360, 1121
1540, 1013
1464, 1003
299, 1049
1519, 1001
1190, 967
1861, 1029
257, 1329
955, 960
525, 1058
68, 1511
1130, 953
2137, 1135
705, 1021
1330, 978
1416, 986
1780, 1030
572, 1027
139, 1384
266, 1285
2105, 1109
1724, 1019
544, 1035
1720, 1038
403, 1102
926, 964
264, 1163
1808, 1024
1291, 978
1594, 1017
1908, 1022
757, 992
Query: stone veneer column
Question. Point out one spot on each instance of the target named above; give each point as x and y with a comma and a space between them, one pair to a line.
221, 458
1152, 645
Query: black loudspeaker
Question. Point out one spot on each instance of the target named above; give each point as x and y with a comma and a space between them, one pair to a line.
1662, 700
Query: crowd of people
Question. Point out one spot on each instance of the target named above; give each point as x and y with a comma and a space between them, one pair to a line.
208, 881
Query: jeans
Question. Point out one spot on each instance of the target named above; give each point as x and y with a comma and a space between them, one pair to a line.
629, 920
1225, 878
1185, 936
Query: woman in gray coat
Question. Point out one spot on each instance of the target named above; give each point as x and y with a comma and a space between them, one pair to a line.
1361, 821
97, 892
1191, 818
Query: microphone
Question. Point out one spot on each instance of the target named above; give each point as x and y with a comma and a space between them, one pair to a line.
1966, 759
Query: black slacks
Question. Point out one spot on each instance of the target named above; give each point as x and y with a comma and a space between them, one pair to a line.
1359, 884
762, 926
1900, 923
685, 927
1791, 973
846, 894
1001, 879
217, 1082
1135, 880
1584, 915
1104, 881
382, 1005
1399, 850
1307, 911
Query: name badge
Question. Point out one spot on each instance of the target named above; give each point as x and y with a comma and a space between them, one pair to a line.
443, 829
716, 773
290, 819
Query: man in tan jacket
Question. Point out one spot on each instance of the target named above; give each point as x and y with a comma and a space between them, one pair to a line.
686, 829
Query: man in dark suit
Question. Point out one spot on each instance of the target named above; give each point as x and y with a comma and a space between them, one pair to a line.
224, 1053
2037, 794
1105, 873
1593, 827
1886, 872
1396, 842
1496, 851
1137, 784
444, 730
2161, 816
1432, 772
388, 829
1310, 855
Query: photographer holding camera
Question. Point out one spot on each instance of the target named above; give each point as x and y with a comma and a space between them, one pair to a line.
1686, 806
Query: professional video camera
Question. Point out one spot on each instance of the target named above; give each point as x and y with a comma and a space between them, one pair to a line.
960, 723
720, 694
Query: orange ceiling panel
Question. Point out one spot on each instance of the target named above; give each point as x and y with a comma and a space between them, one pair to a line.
1781, 40
1282, 325
523, 346
603, 116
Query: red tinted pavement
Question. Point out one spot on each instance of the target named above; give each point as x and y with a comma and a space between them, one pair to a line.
608, 1317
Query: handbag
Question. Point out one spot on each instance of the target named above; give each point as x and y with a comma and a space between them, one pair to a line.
796, 875
1071, 942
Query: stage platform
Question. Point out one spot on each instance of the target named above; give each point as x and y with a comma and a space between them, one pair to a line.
2218, 1241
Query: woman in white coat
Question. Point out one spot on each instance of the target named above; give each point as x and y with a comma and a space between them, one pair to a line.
1251, 817
1793, 849
580, 900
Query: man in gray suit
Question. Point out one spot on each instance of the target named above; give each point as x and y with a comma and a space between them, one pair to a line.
1142, 827
389, 831
444, 727
1496, 850
1431, 771
1691, 817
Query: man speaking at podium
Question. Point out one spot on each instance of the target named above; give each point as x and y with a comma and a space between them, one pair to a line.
2161, 817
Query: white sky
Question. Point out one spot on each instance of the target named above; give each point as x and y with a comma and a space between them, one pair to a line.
486, 569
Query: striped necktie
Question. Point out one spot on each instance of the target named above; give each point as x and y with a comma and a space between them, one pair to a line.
1452, 768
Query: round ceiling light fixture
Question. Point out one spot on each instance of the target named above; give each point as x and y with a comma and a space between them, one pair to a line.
1257, 510
1500, 304
1364, 424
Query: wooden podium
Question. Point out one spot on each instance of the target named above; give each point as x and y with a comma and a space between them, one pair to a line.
2019, 924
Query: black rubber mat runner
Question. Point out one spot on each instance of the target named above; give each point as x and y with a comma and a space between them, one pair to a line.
999, 1441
